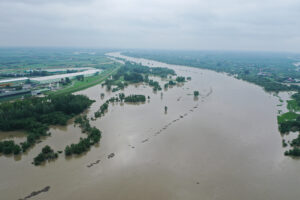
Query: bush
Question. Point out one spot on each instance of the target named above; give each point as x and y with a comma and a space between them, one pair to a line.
46, 154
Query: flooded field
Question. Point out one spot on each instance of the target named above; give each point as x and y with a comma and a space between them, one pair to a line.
223, 145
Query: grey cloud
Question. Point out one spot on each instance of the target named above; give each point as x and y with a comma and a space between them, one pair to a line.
175, 24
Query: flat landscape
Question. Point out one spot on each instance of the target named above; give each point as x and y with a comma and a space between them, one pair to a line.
205, 145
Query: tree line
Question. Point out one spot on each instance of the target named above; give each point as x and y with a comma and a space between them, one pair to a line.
35, 115
84, 144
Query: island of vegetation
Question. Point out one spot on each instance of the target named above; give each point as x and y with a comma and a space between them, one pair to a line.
46, 154
135, 98
290, 122
136, 73
84, 144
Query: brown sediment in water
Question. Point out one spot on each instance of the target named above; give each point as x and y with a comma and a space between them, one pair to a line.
231, 148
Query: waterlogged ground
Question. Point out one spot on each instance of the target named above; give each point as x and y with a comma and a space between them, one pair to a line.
223, 145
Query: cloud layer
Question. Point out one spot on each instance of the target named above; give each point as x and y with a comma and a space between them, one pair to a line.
168, 24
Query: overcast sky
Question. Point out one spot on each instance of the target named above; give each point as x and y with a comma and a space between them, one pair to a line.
159, 24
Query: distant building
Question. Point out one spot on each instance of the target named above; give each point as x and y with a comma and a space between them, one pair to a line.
14, 80
13, 93
59, 77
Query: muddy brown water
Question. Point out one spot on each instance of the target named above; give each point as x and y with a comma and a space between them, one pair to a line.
223, 145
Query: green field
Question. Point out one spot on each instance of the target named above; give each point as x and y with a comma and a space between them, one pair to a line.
88, 82
293, 106
13, 60
289, 116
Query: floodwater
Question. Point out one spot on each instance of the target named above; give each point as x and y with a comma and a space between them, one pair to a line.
224, 145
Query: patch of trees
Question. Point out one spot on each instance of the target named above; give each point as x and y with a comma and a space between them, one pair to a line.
293, 152
133, 77
9, 147
102, 110
172, 83
287, 126
30, 73
66, 81
80, 77
120, 85
267, 83
296, 142
84, 144
161, 71
136, 73
155, 85
180, 79
46, 154
284, 144
115, 89
121, 96
296, 97
135, 98
35, 115
38, 73
291, 123
69, 71
141, 69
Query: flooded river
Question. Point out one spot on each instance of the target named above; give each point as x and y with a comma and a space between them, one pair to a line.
224, 145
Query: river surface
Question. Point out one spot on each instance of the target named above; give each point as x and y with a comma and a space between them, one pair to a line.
224, 145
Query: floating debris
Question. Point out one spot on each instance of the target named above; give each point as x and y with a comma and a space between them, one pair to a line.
94, 163
35, 193
110, 155
146, 140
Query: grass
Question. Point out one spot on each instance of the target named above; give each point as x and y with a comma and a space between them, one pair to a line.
293, 106
88, 82
289, 116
